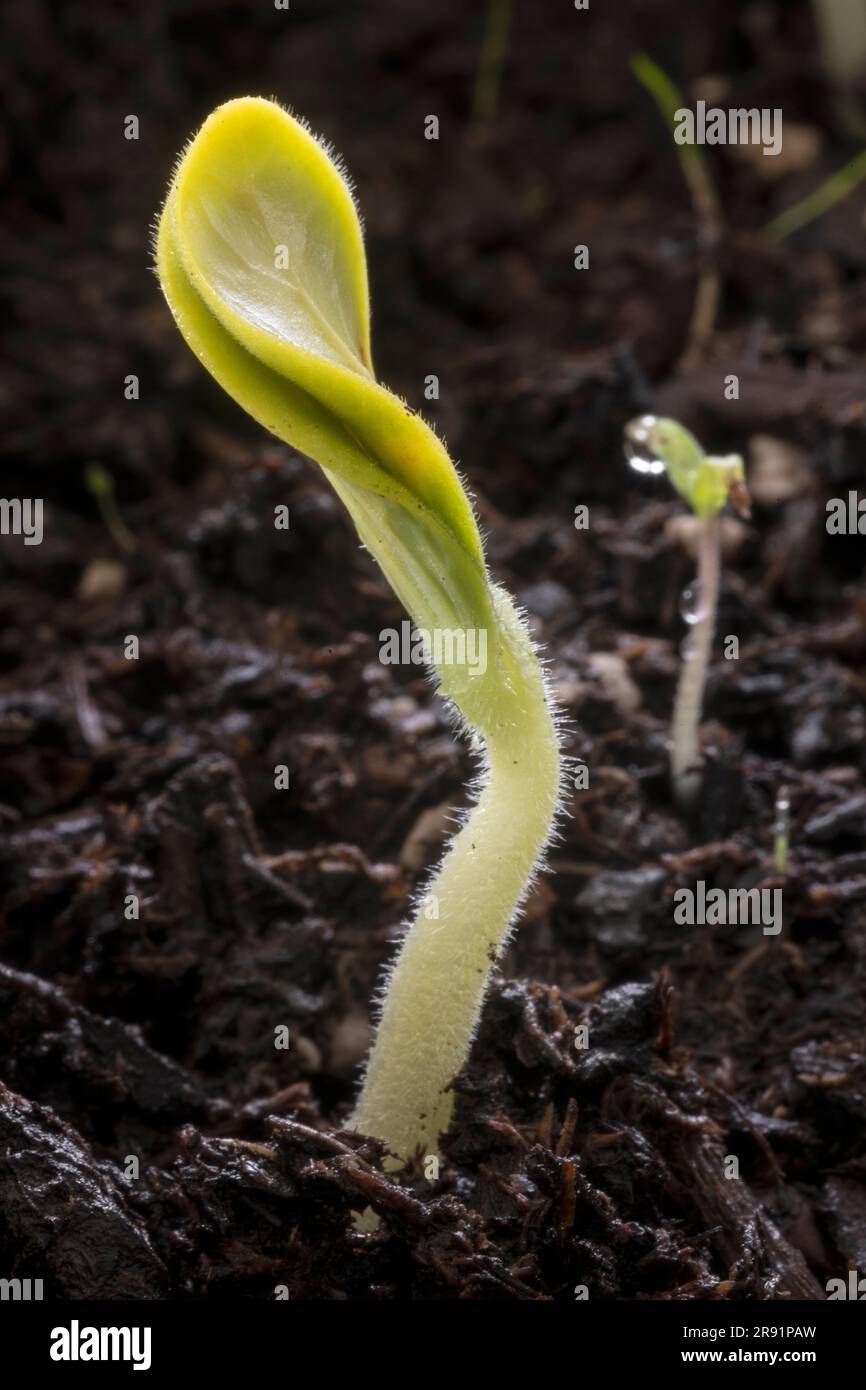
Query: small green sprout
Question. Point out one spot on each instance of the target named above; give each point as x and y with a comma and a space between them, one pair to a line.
850, 16
491, 60
705, 201
100, 485
656, 445
261, 258
815, 204
670, 100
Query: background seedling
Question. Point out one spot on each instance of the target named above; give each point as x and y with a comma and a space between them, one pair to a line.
842, 32
261, 259
491, 60
669, 99
100, 485
815, 204
656, 445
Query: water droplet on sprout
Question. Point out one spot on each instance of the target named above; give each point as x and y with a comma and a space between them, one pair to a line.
691, 606
637, 447
782, 808
641, 461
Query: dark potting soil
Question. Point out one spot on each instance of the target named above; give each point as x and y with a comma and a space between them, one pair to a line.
153, 1140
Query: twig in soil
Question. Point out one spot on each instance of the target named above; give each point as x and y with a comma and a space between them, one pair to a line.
545, 1128
745, 963
247, 1144
569, 1124
502, 1126
568, 1202
89, 719
355, 1175
308, 1140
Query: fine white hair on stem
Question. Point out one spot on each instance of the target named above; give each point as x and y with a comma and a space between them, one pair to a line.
685, 742
432, 996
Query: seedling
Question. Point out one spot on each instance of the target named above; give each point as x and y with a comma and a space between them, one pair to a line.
815, 204
670, 100
100, 485
662, 446
494, 47
261, 258
842, 32
705, 201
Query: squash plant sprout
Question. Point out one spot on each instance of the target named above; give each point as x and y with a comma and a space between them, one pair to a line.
261, 259
656, 445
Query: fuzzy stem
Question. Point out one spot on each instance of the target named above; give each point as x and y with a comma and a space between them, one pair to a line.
685, 754
435, 989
